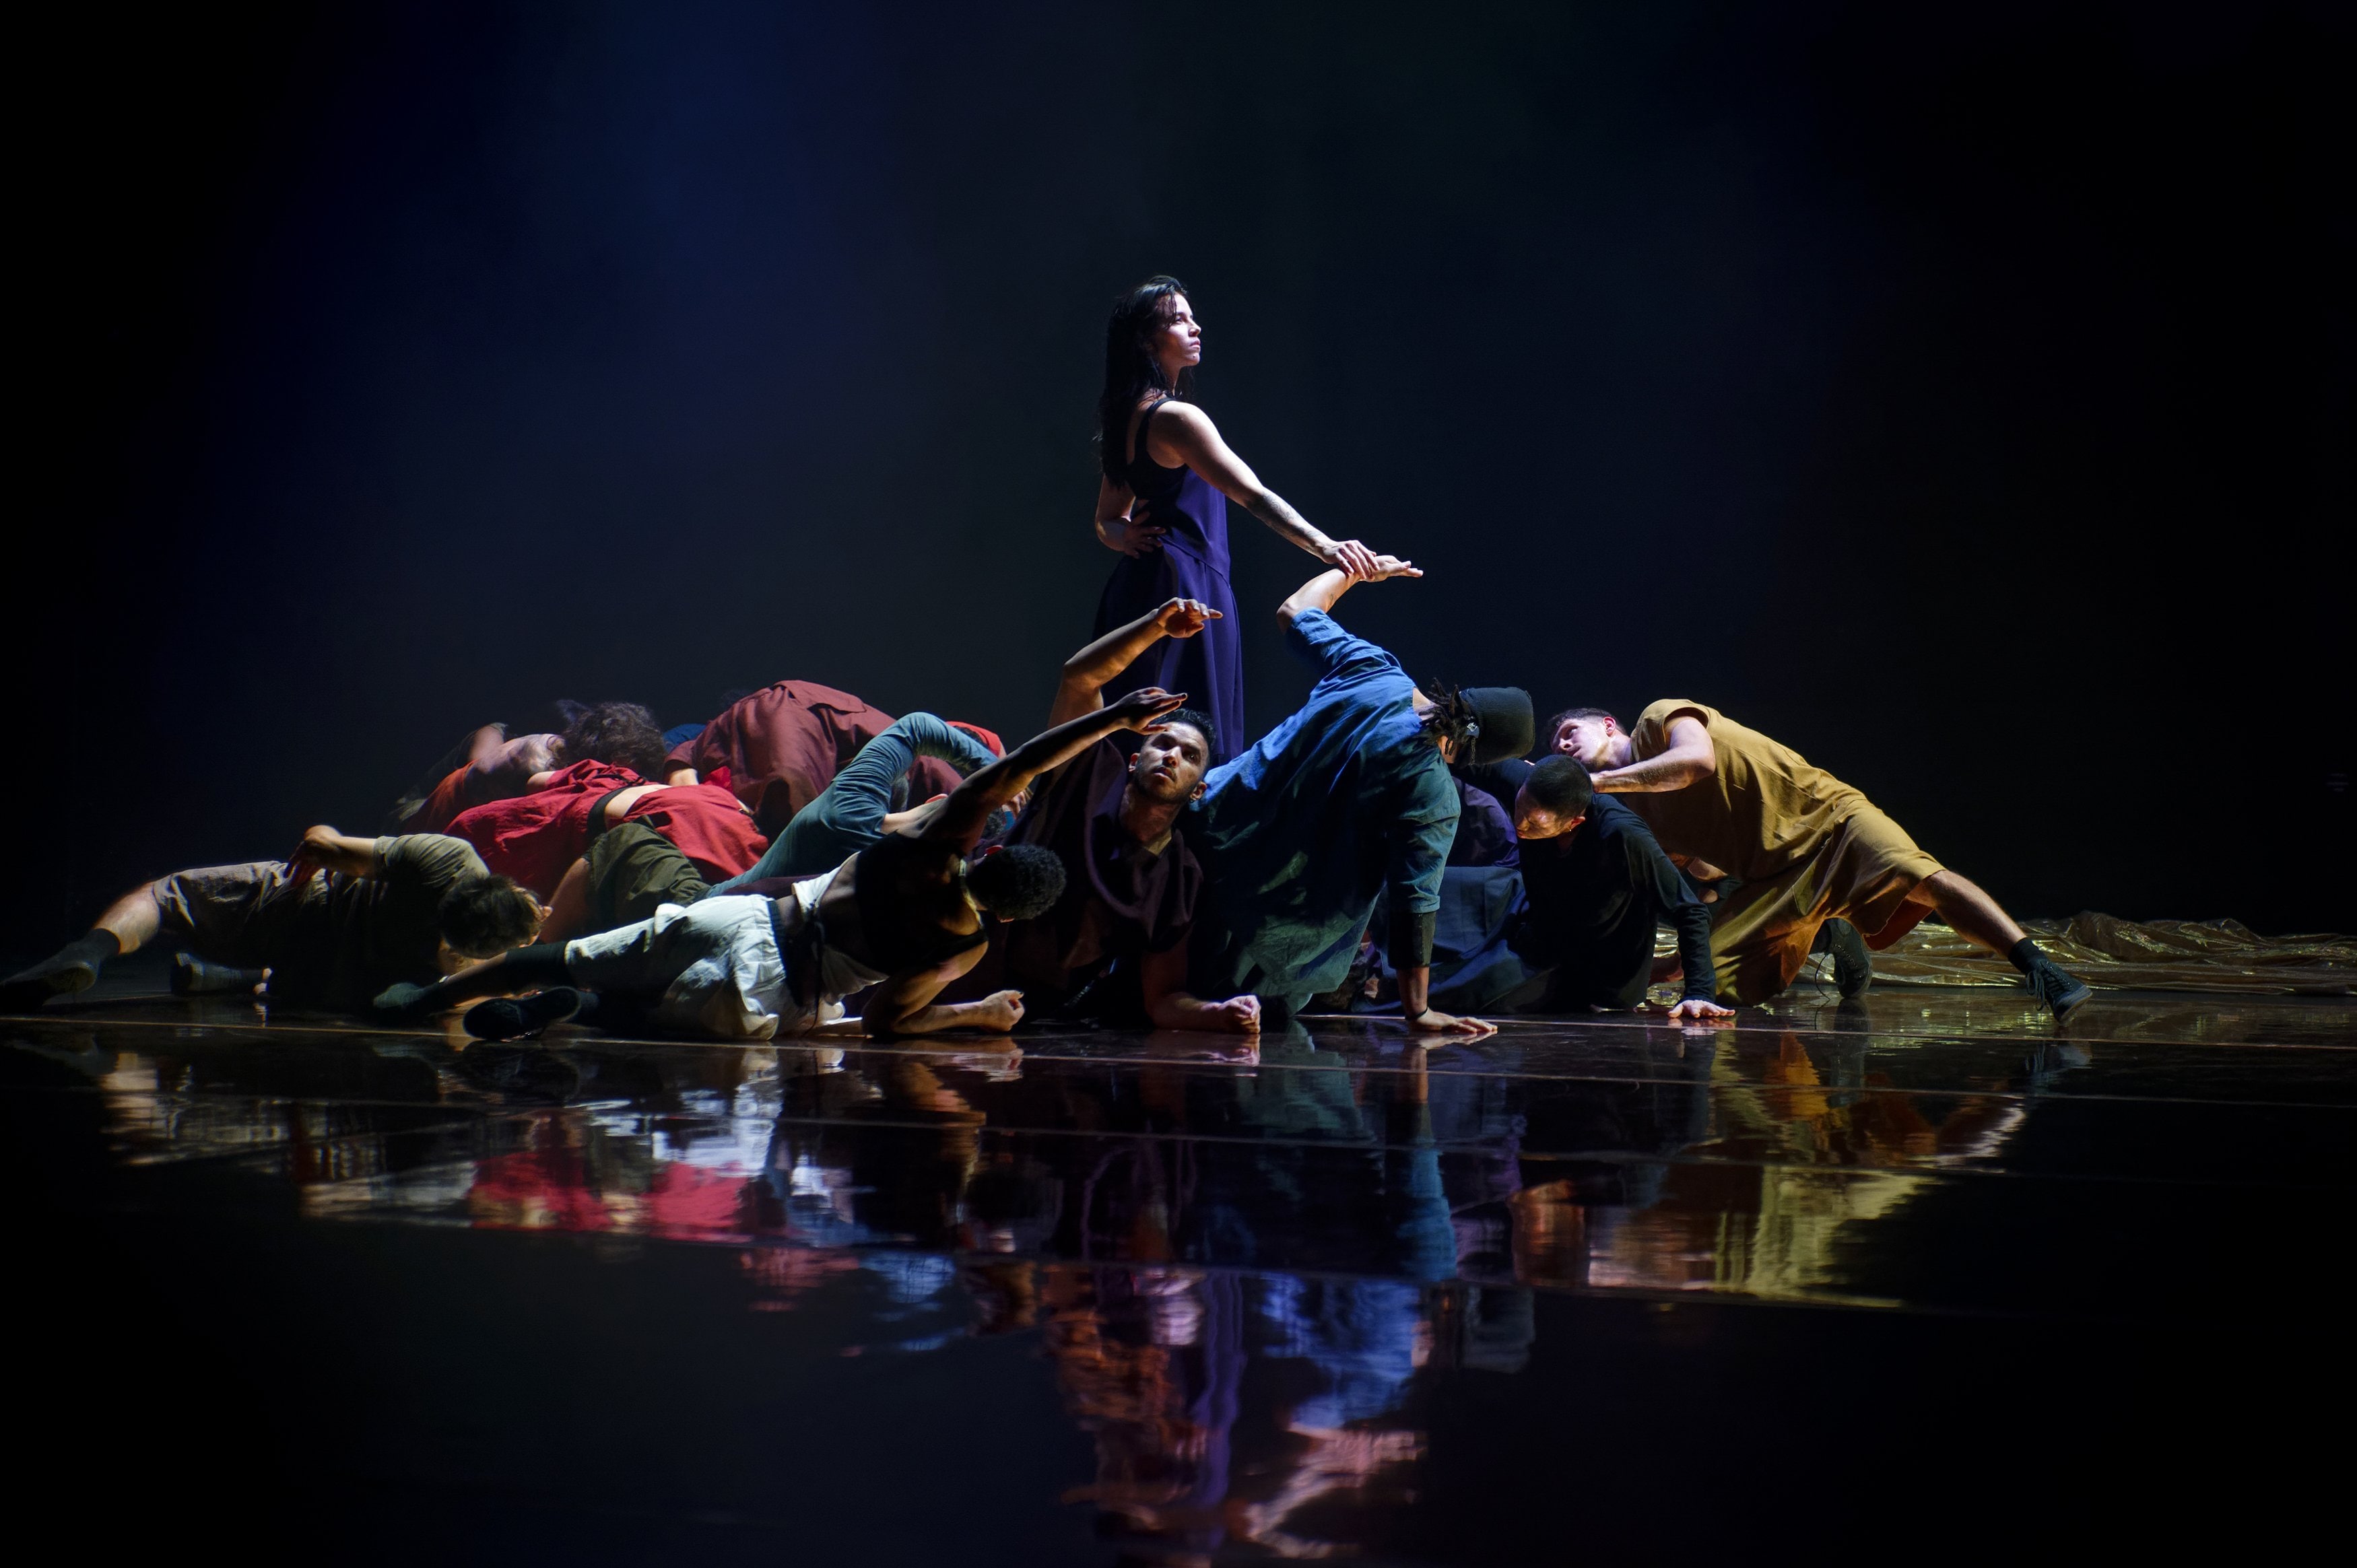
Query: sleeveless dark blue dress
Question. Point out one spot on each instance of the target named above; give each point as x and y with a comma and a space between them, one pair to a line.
1192, 564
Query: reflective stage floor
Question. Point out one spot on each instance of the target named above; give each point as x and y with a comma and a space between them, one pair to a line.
1922, 1276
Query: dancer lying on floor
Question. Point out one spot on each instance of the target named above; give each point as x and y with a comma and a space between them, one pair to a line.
635, 861
489, 765
779, 747
538, 838
907, 915
1348, 797
1114, 946
344, 919
1808, 848
1593, 884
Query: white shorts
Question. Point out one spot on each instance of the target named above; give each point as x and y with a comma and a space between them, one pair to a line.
714, 964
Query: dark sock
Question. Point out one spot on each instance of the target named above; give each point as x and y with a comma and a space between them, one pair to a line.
192, 976
73, 967
2024, 955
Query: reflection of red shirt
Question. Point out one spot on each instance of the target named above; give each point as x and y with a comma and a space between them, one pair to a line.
552, 1188
785, 743
536, 838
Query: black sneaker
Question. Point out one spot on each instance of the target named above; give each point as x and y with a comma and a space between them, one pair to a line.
507, 1019
1852, 968
2057, 987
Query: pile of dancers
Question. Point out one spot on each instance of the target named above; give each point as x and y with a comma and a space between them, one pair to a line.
1386, 848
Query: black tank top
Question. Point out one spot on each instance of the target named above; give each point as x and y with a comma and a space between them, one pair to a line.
894, 944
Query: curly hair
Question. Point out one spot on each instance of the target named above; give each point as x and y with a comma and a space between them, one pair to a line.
1020, 881
485, 915
624, 734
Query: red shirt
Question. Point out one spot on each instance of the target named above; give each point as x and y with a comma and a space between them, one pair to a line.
536, 838
706, 824
785, 743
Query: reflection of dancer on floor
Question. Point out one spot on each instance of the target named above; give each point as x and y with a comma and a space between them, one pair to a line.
905, 915
1807, 847
1163, 500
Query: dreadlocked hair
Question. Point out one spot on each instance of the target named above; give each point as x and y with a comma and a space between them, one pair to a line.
1450, 717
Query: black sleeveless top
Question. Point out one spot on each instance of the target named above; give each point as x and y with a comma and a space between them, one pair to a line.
892, 946
1176, 499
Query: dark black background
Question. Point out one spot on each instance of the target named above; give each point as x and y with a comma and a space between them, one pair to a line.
1958, 392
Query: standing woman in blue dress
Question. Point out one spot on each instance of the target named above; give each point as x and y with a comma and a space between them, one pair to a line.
1163, 504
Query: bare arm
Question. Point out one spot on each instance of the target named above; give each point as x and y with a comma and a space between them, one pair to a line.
1690, 757
904, 1005
1081, 691
1186, 433
1117, 528
1416, 998
324, 846
961, 816
1162, 979
1326, 589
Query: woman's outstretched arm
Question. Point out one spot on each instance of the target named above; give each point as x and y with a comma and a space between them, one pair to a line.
1189, 434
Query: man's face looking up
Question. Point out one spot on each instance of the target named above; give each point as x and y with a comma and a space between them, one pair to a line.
1168, 768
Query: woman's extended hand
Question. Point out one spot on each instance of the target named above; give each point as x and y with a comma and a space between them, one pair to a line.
1350, 555
1185, 617
1383, 566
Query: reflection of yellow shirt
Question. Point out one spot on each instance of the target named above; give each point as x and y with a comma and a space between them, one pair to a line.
1765, 809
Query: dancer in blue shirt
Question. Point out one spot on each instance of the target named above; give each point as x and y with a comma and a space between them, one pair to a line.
1348, 797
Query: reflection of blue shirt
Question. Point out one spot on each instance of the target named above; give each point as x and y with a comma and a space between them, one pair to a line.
1343, 798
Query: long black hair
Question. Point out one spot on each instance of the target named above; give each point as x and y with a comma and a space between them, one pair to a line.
1131, 369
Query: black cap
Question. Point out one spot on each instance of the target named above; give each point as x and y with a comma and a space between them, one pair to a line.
1507, 727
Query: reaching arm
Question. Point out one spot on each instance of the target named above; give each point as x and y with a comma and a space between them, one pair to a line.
1187, 433
1322, 592
1081, 691
1690, 757
961, 816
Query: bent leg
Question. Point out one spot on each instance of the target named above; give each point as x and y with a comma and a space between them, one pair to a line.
1968, 910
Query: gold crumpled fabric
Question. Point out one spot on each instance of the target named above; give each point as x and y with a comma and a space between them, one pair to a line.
2126, 955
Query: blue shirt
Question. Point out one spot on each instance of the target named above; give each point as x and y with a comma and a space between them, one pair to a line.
1345, 799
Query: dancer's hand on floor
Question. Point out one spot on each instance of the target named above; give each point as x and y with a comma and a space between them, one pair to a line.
1701, 1010
1430, 1022
1001, 1010
1237, 1015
